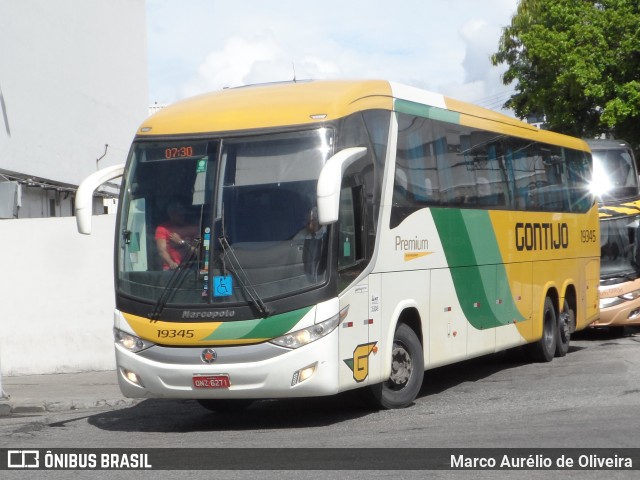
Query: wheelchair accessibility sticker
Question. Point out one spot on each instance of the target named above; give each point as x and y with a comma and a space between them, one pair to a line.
222, 286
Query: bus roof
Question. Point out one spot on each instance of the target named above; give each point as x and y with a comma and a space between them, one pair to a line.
607, 144
317, 101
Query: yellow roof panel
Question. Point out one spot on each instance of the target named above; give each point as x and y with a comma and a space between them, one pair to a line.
308, 102
262, 106
479, 117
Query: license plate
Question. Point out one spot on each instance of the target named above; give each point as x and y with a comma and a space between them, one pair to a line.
211, 381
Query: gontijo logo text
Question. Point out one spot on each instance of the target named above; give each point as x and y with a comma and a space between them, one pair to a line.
542, 236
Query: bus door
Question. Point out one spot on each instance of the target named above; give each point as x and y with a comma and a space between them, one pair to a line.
356, 345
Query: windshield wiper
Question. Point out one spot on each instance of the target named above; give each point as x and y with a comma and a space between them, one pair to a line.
175, 280
625, 276
242, 277
630, 276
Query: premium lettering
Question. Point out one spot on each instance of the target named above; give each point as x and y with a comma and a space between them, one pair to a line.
542, 236
412, 244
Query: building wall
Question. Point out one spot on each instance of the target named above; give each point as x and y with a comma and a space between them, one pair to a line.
73, 78
56, 286
21, 200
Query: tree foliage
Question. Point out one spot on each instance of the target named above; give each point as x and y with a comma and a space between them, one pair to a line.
578, 63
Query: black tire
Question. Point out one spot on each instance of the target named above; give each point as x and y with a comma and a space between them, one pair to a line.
566, 326
545, 349
226, 405
407, 372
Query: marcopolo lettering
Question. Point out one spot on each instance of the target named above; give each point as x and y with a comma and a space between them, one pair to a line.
210, 314
542, 236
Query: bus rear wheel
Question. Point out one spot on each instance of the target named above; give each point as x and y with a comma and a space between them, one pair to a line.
407, 372
545, 349
566, 325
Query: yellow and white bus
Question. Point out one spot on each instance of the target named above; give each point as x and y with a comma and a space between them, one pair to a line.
347, 234
615, 183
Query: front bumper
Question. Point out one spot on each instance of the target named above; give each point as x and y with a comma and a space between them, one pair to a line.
623, 314
255, 371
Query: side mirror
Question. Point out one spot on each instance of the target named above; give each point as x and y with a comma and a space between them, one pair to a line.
330, 180
84, 195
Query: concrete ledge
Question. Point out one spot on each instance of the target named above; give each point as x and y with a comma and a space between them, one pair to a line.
28, 408
5, 408
64, 392
9, 408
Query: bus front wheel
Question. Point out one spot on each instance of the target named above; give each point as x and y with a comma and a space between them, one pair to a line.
407, 372
545, 349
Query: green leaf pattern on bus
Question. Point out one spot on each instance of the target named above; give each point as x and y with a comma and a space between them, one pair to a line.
476, 266
270, 327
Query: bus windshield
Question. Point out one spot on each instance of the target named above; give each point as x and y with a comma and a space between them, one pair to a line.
614, 173
223, 220
618, 250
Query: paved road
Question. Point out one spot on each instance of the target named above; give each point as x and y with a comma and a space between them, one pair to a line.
590, 398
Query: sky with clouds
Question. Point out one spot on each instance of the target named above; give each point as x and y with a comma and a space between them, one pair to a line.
195, 46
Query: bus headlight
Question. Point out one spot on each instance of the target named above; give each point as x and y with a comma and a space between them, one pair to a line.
303, 374
130, 342
305, 336
631, 295
611, 302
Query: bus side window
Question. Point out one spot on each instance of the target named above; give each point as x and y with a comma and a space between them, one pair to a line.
401, 195
346, 230
351, 229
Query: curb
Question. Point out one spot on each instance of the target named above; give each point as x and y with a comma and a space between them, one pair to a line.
5, 408
8, 408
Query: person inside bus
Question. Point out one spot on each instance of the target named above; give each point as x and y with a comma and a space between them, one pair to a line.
175, 237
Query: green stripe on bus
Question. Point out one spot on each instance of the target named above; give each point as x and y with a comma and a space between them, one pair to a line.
270, 327
476, 267
481, 236
426, 111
